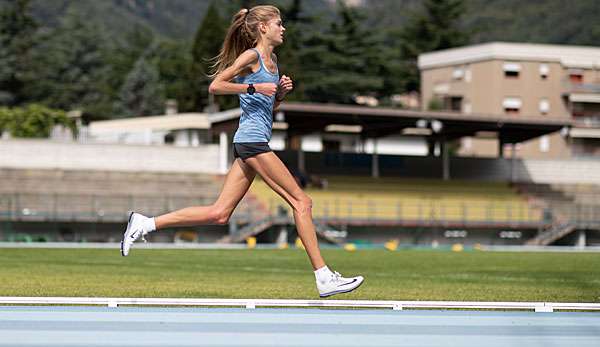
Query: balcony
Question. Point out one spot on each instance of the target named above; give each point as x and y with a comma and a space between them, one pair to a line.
589, 120
581, 92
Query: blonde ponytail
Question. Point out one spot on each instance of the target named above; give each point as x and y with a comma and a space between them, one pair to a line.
242, 35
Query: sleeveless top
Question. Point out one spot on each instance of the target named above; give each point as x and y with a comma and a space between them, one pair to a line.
256, 121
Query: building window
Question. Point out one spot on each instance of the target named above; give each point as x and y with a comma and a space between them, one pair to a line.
511, 105
511, 70
544, 71
458, 73
453, 103
544, 106
576, 77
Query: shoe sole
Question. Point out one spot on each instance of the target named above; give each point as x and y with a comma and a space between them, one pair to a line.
125, 234
341, 291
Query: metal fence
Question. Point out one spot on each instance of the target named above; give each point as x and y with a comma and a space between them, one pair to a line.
427, 212
111, 208
88, 208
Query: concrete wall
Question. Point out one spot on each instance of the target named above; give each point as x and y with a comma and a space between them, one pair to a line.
45, 154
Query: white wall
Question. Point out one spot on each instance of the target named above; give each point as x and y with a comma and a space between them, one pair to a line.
312, 143
47, 154
277, 142
145, 137
399, 145
571, 171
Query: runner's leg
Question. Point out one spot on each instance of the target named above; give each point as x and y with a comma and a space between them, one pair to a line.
236, 185
277, 176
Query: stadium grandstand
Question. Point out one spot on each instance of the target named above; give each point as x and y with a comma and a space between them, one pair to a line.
61, 191
91, 205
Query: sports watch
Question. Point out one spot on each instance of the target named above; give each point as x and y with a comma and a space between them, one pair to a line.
251, 90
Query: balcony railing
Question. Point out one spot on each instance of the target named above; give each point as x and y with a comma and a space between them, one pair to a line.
570, 87
587, 120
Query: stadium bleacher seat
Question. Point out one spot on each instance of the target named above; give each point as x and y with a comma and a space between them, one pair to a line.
86, 195
363, 198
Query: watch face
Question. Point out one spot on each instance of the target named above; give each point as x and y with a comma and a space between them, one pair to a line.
251, 90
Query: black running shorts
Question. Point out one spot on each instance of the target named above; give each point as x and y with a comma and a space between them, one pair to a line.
249, 149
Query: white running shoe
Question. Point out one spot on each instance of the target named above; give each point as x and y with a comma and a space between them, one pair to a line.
337, 284
135, 230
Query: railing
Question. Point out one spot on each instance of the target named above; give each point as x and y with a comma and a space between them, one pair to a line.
254, 303
570, 87
587, 119
92, 208
582, 216
96, 208
421, 213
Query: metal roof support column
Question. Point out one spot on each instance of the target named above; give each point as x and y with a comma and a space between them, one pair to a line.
301, 164
513, 151
375, 160
223, 153
581, 239
430, 147
445, 159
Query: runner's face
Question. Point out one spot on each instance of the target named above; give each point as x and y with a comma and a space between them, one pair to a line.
275, 30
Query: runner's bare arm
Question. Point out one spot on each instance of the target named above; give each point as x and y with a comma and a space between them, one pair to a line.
222, 84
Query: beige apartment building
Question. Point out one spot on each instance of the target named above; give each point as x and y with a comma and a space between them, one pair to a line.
518, 79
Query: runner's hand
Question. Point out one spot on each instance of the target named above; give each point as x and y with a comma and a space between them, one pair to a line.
268, 89
285, 86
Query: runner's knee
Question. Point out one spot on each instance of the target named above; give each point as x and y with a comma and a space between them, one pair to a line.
303, 204
220, 215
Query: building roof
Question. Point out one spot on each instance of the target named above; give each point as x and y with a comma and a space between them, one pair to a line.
164, 122
569, 56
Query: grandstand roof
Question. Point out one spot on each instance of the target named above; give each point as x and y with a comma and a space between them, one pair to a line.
370, 122
303, 118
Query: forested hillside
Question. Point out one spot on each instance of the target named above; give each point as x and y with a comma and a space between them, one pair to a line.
121, 58
542, 21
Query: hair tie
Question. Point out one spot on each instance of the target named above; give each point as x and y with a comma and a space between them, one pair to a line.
246, 15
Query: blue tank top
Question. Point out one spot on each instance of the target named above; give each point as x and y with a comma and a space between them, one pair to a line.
256, 121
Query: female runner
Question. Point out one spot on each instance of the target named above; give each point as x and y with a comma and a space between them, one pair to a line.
247, 66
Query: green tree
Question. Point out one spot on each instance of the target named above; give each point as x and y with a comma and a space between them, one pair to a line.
142, 94
437, 27
72, 67
34, 120
123, 56
289, 54
172, 60
207, 44
342, 62
17, 38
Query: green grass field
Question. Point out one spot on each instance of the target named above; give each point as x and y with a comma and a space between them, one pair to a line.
401, 275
